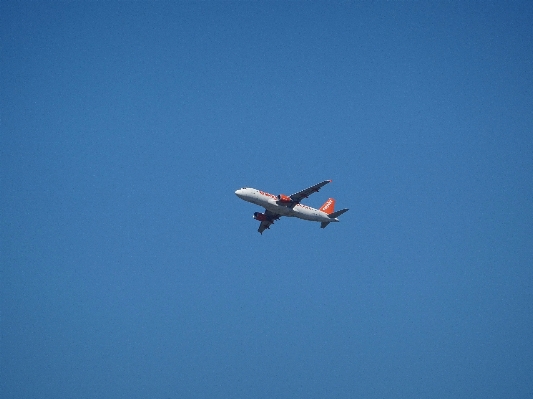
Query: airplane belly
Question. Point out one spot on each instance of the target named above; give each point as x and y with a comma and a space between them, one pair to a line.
278, 209
306, 213
299, 211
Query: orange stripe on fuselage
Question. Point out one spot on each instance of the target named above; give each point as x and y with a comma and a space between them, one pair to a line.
267, 194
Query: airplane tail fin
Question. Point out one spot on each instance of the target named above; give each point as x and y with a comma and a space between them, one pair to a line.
328, 206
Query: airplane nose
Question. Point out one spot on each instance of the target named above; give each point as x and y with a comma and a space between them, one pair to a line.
241, 193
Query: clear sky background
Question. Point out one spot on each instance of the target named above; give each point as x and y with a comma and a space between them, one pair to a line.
129, 268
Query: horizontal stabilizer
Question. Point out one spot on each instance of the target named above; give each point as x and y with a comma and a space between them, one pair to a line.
337, 214
324, 224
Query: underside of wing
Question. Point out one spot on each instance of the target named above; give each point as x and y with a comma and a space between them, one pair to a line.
269, 219
265, 224
300, 195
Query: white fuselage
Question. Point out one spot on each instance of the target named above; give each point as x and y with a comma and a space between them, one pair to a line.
271, 202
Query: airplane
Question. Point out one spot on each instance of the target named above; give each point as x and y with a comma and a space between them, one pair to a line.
283, 205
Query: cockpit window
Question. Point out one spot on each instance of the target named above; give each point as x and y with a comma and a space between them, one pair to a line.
243, 188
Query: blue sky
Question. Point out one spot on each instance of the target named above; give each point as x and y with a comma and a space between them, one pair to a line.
129, 268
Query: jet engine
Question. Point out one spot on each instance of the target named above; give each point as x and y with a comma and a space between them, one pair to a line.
284, 199
260, 216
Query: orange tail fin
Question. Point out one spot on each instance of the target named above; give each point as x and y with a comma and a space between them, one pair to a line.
329, 206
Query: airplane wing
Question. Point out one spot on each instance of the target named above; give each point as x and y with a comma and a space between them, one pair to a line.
265, 224
300, 195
